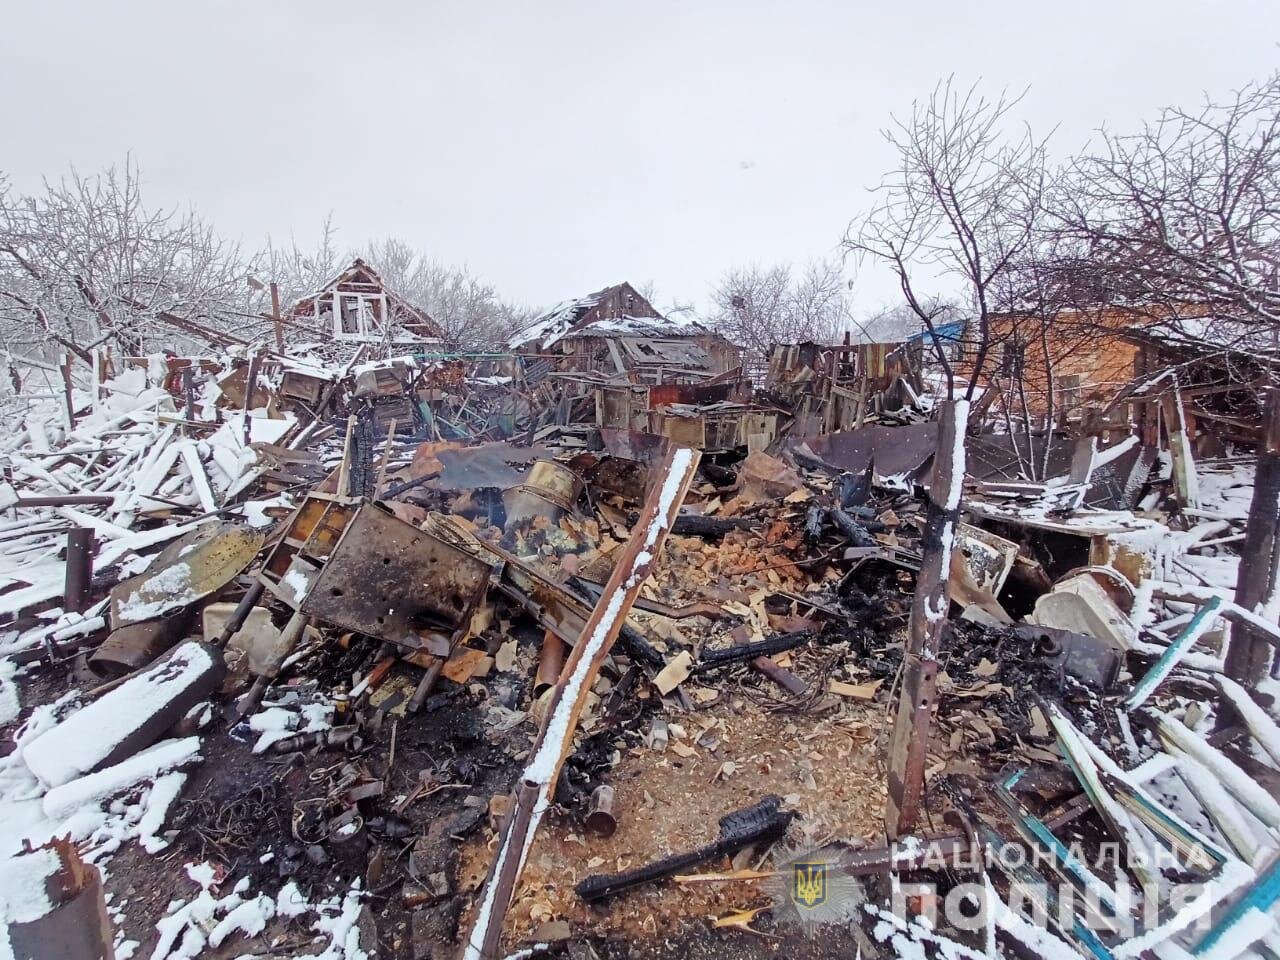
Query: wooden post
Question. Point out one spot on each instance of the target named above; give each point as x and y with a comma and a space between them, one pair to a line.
189, 399
909, 742
250, 382
275, 316
1185, 483
1249, 656
64, 365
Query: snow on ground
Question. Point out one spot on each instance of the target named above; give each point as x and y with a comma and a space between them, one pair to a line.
207, 920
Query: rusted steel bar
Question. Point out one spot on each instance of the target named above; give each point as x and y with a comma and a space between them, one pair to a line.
673, 476
909, 742
1249, 656
75, 594
241, 612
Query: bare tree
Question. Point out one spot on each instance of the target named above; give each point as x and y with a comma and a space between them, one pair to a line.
86, 262
300, 272
470, 311
957, 214
758, 307
1183, 217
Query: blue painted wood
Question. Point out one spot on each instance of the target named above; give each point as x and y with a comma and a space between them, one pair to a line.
1169, 659
1262, 895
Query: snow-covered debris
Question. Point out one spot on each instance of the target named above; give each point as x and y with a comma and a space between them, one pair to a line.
278, 723
62, 801
127, 718
9, 706
209, 920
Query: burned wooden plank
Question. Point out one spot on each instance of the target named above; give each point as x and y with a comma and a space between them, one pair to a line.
929, 608
538, 781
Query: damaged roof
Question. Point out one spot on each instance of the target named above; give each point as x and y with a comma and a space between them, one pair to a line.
616, 311
412, 318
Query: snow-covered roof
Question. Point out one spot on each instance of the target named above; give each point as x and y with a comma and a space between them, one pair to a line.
565, 321
1212, 334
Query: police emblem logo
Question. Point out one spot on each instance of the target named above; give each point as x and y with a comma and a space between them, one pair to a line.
809, 884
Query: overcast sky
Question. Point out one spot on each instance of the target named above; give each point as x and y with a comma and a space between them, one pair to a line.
558, 147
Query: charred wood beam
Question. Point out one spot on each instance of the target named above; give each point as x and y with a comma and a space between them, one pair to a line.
858, 532
909, 742
739, 653
696, 526
1249, 656
538, 781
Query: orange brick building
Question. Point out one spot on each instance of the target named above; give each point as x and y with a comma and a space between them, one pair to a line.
1078, 358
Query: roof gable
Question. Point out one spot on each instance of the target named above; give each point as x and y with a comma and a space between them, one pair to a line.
359, 277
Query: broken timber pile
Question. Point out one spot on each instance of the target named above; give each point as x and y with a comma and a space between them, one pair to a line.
359, 674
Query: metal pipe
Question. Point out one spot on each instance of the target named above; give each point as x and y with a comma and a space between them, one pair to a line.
550, 663
75, 594
241, 613
600, 819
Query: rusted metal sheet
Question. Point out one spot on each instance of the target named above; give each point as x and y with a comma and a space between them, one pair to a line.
896, 451
190, 568
663, 393
387, 579
633, 444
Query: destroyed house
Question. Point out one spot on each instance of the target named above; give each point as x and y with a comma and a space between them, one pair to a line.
1213, 368
831, 387
356, 306
617, 333
1098, 363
